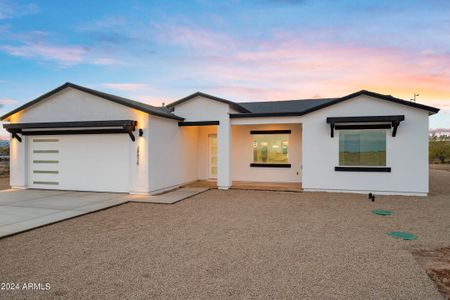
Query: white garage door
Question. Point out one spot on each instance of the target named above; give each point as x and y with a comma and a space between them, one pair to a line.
79, 162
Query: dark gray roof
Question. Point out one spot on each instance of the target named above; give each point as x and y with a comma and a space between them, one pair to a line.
150, 109
302, 107
284, 106
246, 109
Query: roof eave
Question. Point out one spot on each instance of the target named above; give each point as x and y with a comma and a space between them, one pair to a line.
269, 114
174, 117
89, 91
432, 110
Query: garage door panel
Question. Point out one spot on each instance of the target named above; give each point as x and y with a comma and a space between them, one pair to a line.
45, 177
80, 162
44, 161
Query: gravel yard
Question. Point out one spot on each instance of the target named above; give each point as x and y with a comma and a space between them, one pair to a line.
237, 244
4, 183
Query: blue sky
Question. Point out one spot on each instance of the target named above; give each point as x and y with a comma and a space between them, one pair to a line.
159, 51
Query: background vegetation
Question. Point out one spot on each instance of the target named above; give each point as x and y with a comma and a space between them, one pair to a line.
4, 159
439, 149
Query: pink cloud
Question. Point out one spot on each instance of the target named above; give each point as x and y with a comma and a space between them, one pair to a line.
289, 69
133, 87
153, 99
442, 104
9, 10
35, 45
8, 101
284, 66
66, 55
191, 36
107, 61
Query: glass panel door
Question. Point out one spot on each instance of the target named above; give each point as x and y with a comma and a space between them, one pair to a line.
212, 157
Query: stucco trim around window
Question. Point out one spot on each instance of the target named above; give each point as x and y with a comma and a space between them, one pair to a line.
363, 169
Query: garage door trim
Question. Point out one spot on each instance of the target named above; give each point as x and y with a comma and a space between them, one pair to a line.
79, 127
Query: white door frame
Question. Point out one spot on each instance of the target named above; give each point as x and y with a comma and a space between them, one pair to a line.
210, 175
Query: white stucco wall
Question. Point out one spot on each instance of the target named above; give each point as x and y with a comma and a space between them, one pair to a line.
242, 155
74, 105
204, 109
172, 154
18, 163
407, 153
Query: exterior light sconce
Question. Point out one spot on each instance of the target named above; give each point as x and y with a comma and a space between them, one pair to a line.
141, 132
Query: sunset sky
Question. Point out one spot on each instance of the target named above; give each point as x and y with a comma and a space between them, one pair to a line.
240, 50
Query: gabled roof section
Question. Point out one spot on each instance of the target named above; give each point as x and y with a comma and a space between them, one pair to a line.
432, 110
234, 105
152, 110
302, 107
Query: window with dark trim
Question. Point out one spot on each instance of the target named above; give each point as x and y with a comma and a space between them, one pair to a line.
270, 149
362, 148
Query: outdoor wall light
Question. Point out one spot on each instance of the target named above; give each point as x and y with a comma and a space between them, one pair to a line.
141, 132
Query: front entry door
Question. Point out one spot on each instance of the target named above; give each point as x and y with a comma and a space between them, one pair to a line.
212, 156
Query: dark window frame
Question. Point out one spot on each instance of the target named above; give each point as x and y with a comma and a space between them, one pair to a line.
362, 169
269, 165
284, 131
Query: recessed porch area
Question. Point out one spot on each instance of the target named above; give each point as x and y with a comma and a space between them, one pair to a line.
257, 156
250, 185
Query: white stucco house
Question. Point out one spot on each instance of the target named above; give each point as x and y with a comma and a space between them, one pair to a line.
76, 138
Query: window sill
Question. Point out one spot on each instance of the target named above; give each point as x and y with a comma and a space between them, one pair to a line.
264, 165
363, 169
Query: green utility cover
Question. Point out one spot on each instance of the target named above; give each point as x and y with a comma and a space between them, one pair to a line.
382, 212
402, 235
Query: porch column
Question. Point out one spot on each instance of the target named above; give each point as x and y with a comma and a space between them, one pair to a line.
224, 154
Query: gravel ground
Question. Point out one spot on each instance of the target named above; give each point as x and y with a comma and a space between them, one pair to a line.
445, 167
237, 244
4, 183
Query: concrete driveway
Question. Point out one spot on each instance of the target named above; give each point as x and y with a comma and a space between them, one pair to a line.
22, 210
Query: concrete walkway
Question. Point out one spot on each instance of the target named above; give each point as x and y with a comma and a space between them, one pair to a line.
170, 197
22, 210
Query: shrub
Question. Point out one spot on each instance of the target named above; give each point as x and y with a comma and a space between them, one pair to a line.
439, 150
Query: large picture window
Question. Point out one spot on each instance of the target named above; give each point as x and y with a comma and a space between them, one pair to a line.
270, 148
362, 148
